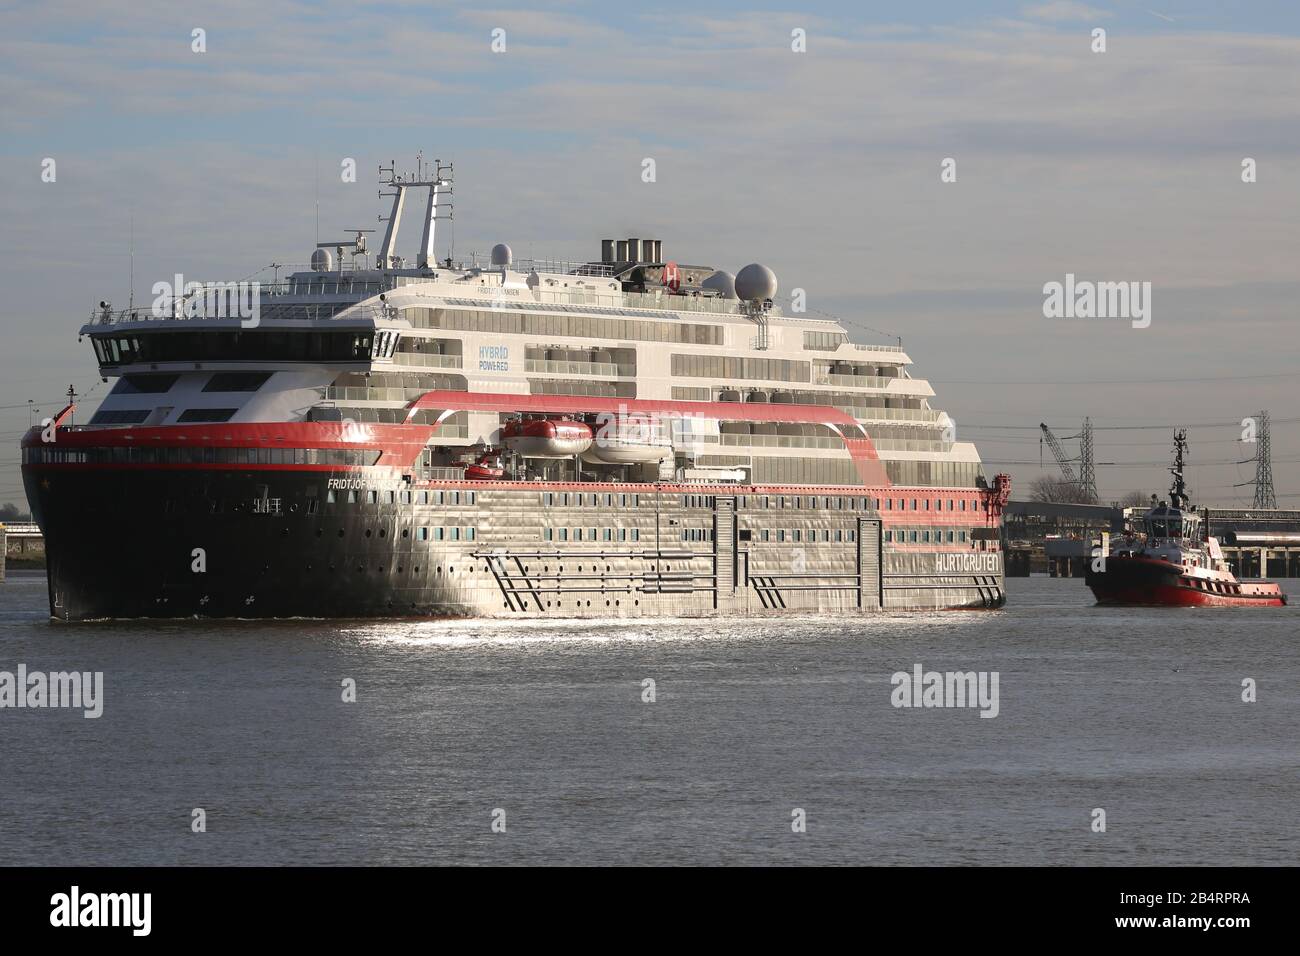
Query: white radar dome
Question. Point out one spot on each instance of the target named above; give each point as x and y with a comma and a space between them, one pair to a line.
755, 283
724, 283
322, 261
501, 255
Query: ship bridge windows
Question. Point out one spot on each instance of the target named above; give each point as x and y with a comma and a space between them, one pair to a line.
144, 384
236, 381
191, 415
130, 416
307, 345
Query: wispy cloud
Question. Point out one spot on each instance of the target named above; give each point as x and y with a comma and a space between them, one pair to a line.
1062, 11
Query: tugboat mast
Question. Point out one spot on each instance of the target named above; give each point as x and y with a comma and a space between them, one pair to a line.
1178, 493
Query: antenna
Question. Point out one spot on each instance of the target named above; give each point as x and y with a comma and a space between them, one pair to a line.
131, 247
1178, 493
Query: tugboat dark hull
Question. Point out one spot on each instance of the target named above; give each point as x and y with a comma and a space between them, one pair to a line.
1147, 582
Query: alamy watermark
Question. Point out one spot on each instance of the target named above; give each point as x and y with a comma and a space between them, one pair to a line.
77, 909
77, 690
208, 300
923, 688
1084, 299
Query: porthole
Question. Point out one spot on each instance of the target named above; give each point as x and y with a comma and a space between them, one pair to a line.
340, 532
399, 569
383, 532
367, 532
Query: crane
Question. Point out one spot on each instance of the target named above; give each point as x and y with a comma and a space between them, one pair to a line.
1061, 460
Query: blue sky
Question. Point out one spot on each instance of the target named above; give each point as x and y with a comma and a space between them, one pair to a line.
1116, 166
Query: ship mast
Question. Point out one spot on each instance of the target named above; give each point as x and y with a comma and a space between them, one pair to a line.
1178, 493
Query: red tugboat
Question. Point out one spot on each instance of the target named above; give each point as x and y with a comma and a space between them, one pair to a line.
1169, 563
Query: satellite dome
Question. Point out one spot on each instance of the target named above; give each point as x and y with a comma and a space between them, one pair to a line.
501, 254
322, 261
755, 282
724, 283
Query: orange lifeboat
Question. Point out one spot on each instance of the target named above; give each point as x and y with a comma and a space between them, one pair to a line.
546, 437
487, 468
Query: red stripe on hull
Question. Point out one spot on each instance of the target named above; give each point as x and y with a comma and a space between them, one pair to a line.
1176, 596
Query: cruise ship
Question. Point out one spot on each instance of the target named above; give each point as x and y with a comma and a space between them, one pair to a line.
628, 436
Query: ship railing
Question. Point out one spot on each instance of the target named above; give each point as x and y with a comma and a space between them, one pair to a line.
377, 394
562, 267
685, 303
910, 444
867, 347
781, 441
867, 413
428, 359
556, 367
855, 381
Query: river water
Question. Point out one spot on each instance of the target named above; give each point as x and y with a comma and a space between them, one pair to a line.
771, 741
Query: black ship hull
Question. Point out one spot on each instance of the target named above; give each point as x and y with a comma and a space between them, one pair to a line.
233, 543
